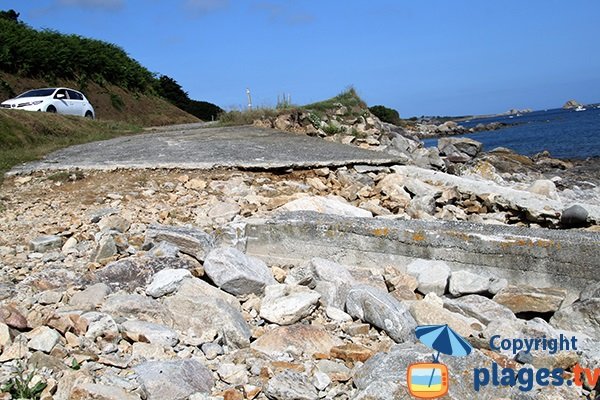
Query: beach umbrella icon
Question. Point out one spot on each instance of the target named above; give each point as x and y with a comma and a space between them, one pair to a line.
444, 340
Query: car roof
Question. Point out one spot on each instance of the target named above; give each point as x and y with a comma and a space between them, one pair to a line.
52, 88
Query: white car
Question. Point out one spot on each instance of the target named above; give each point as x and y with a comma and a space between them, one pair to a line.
53, 100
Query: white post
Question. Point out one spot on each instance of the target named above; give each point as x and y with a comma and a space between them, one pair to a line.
249, 98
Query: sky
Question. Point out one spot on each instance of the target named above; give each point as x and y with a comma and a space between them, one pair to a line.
420, 57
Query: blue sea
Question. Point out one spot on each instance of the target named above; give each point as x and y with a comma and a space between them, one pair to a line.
564, 133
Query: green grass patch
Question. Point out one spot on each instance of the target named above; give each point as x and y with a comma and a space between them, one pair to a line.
247, 117
27, 136
348, 98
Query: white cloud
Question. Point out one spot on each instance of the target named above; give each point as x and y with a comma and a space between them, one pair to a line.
205, 6
99, 4
283, 13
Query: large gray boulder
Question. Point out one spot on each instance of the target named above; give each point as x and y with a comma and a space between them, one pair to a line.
287, 304
135, 306
154, 333
193, 242
591, 291
290, 385
174, 380
382, 310
207, 318
466, 282
582, 316
135, 272
574, 216
42, 244
167, 281
195, 287
298, 338
237, 273
330, 279
459, 149
385, 374
479, 307
531, 299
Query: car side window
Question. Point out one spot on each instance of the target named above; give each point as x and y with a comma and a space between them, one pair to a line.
73, 95
60, 92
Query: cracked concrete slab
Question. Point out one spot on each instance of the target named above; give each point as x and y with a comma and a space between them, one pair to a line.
567, 259
200, 147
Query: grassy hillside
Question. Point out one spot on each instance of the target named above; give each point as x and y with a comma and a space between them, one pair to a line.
26, 136
118, 86
110, 102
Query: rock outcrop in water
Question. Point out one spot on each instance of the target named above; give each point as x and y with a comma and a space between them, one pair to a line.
571, 104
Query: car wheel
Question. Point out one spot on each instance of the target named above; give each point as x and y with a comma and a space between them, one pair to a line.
89, 115
51, 109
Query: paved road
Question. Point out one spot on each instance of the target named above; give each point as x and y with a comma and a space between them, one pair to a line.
198, 147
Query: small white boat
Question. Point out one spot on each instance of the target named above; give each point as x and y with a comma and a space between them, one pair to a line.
580, 108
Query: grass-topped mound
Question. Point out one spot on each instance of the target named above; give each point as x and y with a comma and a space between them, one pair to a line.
347, 104
348, 101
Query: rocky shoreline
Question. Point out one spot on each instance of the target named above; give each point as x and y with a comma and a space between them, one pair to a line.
135, 284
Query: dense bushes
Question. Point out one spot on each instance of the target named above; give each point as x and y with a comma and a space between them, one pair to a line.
386, 114
168, 88
52, 55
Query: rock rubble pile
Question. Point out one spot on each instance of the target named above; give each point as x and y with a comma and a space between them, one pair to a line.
136, 285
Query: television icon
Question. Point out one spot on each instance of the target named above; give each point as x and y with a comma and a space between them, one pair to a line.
427, 380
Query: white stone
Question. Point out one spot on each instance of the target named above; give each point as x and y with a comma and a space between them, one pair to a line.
286, 304
167, 281
432, 275
321, 380
233, 374
91, 297
148, 351
43, 243
154, 333
381, 309
326, 205
335, 314
236, 273
224, 211
43, 339
69, 244
4, 335
544, 187
465, 282
100, 325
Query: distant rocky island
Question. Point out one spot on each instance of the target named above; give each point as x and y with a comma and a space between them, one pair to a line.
571, 104
515, 111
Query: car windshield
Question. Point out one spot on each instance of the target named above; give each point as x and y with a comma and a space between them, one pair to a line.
37, 93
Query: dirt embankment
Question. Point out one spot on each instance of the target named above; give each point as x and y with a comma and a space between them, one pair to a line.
110, 102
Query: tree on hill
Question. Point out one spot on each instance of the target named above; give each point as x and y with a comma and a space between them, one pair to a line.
51, 55
10, 15
386, 114
168, 88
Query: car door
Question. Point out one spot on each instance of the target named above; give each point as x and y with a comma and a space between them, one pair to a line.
61, 101
75, 103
